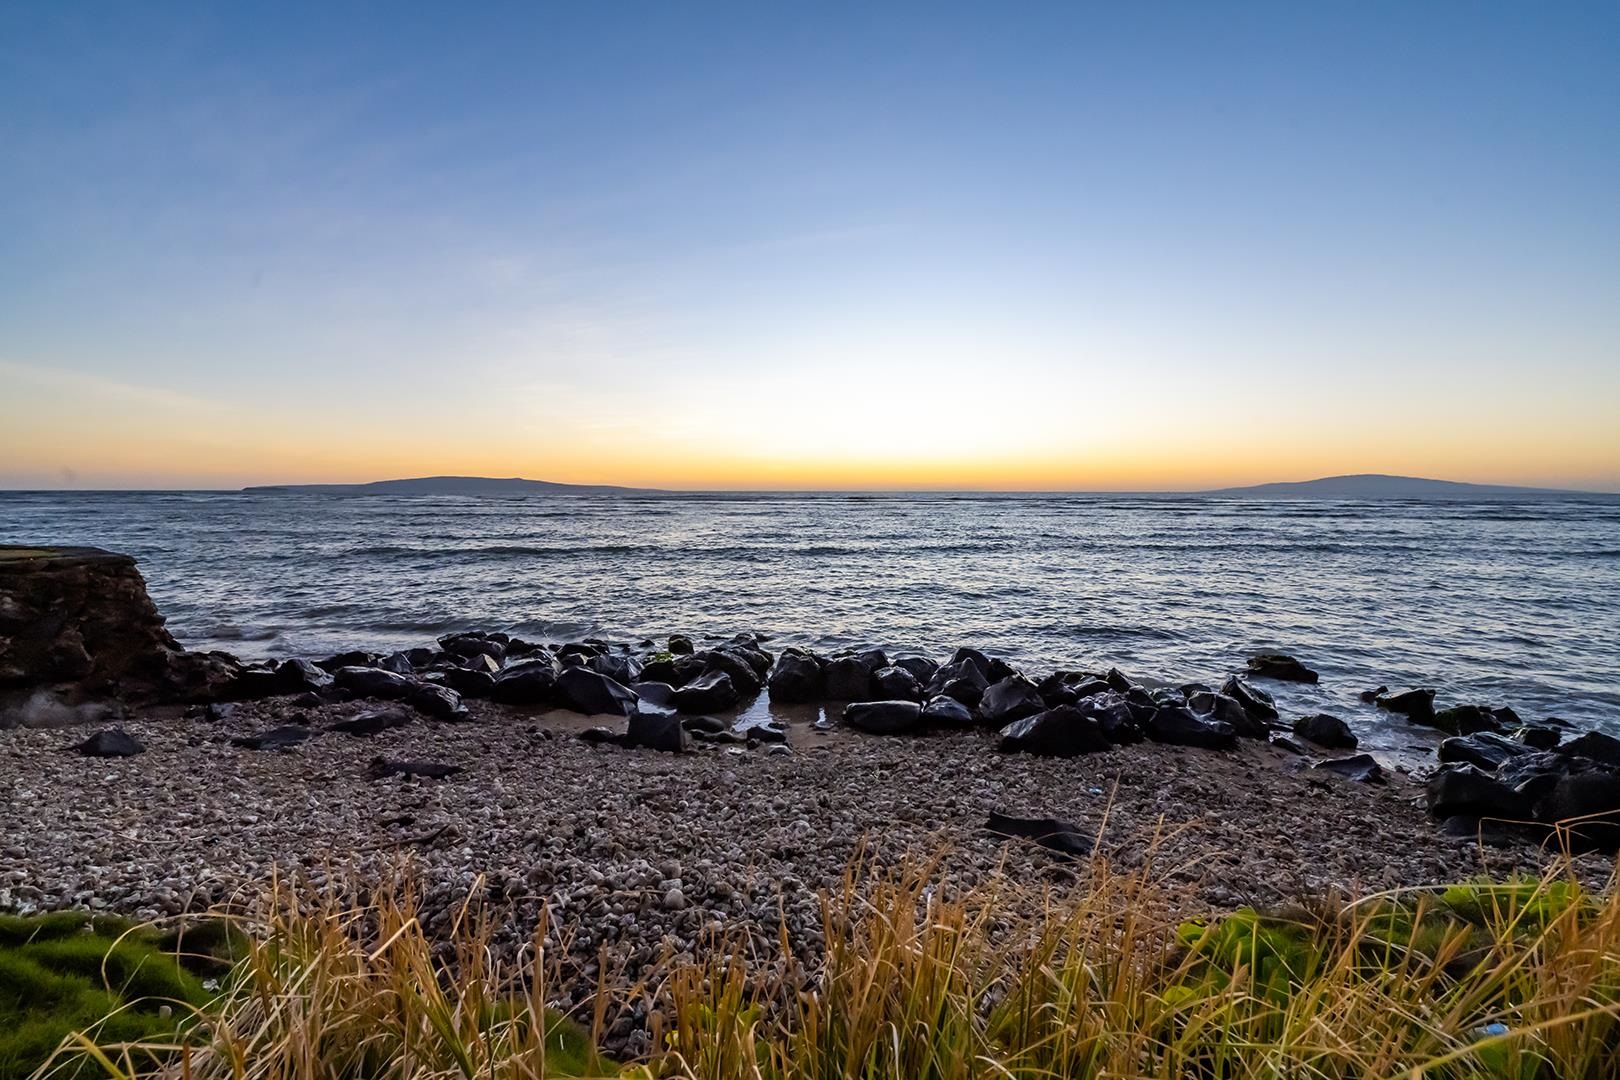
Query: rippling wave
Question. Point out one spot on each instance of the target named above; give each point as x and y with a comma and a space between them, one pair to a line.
1515, 603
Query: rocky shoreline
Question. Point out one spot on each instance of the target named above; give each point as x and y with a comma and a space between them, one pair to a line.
648, 794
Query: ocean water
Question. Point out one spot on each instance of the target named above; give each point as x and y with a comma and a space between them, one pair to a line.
1498, 602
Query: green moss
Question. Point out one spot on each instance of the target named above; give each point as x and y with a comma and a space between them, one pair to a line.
68, 972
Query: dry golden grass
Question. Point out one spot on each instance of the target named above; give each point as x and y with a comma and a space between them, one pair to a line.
1518, 979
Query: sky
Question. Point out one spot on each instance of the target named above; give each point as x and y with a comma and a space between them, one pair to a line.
1022, 246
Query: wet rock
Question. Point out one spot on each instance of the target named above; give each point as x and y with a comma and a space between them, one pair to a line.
1060, 836
1114, 716
1118, 681
797, 677
288, 677
1362, 768
1256, 702
1288, 746
1370, 696
848, 679
883, 717
922, 669
971, 656
586, 691
528, 682
1416, 705
470, 682
713, 692
1065, 731
1325, 730
1485, 749
963, 680
896, 684
600, 735
1183, 727
947, 712
656, 732
1228, 710
1585, 806
737, 668
114, 742
382, 768
1280, 666
707, 725
277, 738
370, 682
1538, 736
372, 722
472, 645
1466, 720
680, 645
620, 667
439, 702
352, 658
398, 663
1469, 791
1013, 698
1595, 746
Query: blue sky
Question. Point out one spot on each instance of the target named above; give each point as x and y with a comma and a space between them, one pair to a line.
748, 245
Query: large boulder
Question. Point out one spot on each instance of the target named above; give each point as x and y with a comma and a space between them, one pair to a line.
707, 693
1013, 698
1325, 731
922, 669
528, 682
1246, 721
1256, 702
895, 683
288, 677
1594, 746
1114, 717
744, 678
1485, 749
1467, 719
1066, 731
1459, 790
797, 677
848, 679
656, 731
620, 667
439, 702
883, 717
586, 691
77, 626
947, 712
961, 679
1417, 705
1183, 727
370, 682
1280, 666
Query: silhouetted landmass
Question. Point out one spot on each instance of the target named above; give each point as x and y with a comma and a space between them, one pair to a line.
1379, 486
452, 485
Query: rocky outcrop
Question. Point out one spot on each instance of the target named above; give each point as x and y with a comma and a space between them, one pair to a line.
77, 627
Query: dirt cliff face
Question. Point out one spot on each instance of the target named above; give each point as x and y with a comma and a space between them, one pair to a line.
76, 626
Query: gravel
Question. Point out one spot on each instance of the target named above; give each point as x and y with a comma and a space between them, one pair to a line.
639, 853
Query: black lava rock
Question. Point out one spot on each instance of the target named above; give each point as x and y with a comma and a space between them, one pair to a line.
1325, 730
1065, 731
114, 742
884, 717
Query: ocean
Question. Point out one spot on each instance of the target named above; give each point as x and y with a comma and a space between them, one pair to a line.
1499, 602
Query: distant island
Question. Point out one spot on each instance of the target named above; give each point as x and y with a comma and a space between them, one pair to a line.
1358, 486
451, 485
1380, 486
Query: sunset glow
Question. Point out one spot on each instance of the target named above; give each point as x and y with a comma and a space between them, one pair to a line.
756, 251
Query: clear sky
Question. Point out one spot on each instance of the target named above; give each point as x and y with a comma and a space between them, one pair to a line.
768, 245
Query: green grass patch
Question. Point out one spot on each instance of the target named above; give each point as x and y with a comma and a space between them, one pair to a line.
66, 972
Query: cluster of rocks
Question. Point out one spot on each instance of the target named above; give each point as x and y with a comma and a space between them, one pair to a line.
1532, 781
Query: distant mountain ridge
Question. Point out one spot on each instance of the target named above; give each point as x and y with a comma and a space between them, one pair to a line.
1381, 486
452, 485
1357, 486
